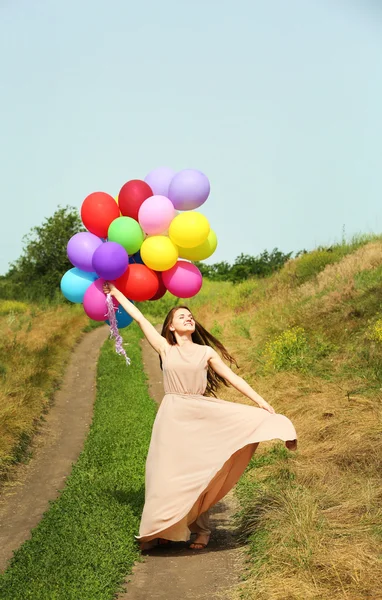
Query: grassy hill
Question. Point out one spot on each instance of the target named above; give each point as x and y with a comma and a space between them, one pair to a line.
309, 340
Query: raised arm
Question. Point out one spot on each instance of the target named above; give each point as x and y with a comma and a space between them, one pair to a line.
153, 337
237, 382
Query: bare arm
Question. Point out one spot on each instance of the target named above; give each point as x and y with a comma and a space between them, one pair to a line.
151, 334
237, 382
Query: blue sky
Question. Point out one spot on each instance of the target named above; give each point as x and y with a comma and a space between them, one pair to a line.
278, 102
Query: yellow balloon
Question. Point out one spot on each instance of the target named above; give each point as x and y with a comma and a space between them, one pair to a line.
189, 229
201, 252
159, 253
117, 198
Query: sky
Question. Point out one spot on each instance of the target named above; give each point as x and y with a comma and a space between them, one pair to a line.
278, 102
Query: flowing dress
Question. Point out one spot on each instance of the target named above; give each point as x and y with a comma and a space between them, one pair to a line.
200, 446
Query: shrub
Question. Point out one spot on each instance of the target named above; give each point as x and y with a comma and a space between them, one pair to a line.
375, 331
12, 306
292, 350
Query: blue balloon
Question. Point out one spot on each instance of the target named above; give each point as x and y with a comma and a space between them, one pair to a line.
123, 318
75, 282
136, 259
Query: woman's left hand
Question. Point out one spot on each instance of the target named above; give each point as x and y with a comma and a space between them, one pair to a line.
263, 404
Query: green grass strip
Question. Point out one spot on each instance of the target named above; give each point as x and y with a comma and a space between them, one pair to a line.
84, 545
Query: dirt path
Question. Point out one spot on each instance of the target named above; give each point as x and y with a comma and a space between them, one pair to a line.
180, 573
55, 448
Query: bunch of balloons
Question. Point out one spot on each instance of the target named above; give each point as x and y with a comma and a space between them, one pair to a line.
144, 241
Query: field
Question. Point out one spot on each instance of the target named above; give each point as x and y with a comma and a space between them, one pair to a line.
309, 340
35, 343
84, 545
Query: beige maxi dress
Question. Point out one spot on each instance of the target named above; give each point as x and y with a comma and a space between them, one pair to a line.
200, 446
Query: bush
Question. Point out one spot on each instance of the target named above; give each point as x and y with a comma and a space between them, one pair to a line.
12, 306
375, 331
292, 350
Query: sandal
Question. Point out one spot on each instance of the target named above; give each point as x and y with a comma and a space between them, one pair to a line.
201, 545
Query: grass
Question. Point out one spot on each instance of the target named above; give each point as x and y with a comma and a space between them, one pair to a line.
35, 344
84, 546
309, 340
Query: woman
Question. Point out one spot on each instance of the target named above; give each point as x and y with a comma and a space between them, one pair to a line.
200, 444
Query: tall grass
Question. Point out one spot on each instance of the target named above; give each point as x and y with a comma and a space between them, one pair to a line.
309, 341
35, 342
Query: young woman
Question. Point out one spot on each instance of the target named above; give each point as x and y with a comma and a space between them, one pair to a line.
200, 444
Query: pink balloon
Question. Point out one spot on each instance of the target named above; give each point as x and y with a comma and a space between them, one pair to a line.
95, 301
183, 280
156, 214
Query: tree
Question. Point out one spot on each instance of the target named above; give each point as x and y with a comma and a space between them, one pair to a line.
245, 266
38, 271
216, 272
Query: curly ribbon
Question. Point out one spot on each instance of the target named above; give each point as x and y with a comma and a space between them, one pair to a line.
114, 333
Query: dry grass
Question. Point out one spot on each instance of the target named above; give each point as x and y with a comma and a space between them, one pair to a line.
313, 519
35, 344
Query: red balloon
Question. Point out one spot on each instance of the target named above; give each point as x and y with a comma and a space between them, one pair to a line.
98, 210
161, 289
138, 283
132, 195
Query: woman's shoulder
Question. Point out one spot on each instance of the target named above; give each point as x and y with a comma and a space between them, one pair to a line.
210, 352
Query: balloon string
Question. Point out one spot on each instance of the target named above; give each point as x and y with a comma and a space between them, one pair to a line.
114, 333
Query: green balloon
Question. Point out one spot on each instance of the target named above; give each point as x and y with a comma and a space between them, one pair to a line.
127, 232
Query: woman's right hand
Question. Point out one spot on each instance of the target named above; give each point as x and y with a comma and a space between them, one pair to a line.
109, 288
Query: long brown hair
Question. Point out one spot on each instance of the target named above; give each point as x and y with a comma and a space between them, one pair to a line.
204, 338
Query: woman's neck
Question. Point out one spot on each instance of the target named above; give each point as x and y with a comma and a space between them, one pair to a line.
183, 339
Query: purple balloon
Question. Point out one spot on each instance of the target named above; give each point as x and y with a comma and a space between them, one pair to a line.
189, 189
110, 260
159, 180
80, 250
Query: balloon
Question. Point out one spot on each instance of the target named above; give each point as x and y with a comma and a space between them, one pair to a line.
80, 250
136, 259
138, 283
131, 196
116, 198
126, 232
189, 229
123, 318
159, 180
156, 214
201, 252
75, 282
184, 280
110, 260
161, 290
95, 301
98, 210
159, 253
189, 189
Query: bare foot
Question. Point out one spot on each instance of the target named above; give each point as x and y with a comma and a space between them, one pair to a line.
143, 546
200, 542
